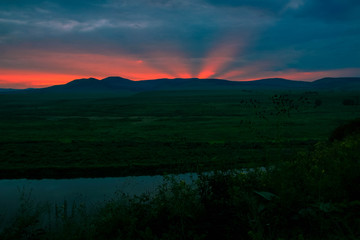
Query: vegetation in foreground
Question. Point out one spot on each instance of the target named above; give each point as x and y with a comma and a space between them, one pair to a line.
314, 195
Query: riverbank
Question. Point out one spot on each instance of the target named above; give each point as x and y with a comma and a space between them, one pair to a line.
310, 196
38, 159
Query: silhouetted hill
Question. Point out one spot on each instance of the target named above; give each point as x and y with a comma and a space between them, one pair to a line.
7, 89
118, 85
117, 81
186, 84
277, 83
337, 83
112, 84
82, 85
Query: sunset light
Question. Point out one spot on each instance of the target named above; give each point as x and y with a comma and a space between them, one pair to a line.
47, 45
179, 119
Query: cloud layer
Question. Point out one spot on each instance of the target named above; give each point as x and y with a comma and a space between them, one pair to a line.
141, 39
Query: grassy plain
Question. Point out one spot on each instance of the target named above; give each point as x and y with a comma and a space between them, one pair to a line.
166, 131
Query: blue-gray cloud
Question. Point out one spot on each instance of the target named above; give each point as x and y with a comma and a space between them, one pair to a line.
331, 10
267, 5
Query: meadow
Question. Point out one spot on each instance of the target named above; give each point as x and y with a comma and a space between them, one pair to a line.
59, 136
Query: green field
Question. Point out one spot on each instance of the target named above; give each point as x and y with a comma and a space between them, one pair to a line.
165, 131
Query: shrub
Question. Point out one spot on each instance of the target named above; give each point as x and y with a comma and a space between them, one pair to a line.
349, 102
348, 129
317, 102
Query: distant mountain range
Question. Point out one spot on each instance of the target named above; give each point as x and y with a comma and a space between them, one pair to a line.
118, 84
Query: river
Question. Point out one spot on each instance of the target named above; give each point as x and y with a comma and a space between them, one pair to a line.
86, 190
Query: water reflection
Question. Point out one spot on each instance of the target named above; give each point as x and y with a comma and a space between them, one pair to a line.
86, 190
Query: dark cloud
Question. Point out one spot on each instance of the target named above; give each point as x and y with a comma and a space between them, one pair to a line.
261, 4
331, 10
130, 24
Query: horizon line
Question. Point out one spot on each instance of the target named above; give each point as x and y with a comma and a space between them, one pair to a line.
100, 79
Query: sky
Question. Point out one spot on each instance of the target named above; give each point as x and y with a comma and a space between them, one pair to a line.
44, 43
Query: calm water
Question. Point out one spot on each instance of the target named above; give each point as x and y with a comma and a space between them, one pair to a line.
88, 190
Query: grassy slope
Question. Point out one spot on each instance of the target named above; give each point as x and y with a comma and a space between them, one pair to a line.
153, 132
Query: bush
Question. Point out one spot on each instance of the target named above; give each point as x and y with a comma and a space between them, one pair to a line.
349, 102
348, 129
317, 102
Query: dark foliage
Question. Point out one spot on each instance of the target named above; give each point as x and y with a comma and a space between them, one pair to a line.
348, 129
349, 102
312, 196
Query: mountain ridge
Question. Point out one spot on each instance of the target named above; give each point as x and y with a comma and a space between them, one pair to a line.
118, 84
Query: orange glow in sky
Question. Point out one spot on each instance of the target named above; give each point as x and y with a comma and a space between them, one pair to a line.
41, 68
172, 62
206, 74
46, 69
217, 59
27, 78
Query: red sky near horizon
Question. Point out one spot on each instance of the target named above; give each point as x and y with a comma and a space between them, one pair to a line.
36, 68
52, 68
